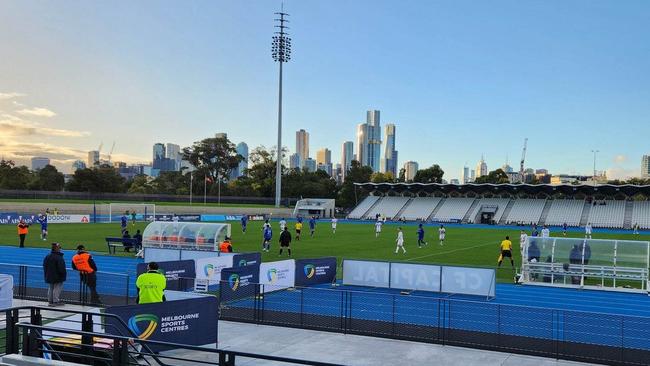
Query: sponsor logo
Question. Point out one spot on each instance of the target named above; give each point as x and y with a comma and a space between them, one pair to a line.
243, 262
310, 270
208, 269
152, 323
233, 281
84, 219
272, 275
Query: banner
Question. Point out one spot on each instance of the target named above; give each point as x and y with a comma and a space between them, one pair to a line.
172, 217
246, 259
68, 219
209, 218
233, 217
6, 291
239, 282
190, 321
277, 275
366, 273
180, 274
210, 268
315, 271
469, 281
13, 218
408, 276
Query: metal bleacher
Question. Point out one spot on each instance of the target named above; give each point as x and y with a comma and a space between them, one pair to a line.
363, 207
607, 213
453, 209
387, 207
561, 211
527, 211
641, 214
420, 208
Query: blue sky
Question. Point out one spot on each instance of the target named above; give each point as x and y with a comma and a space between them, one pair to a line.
458, 78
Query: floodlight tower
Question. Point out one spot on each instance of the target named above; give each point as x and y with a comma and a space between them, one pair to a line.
281, 53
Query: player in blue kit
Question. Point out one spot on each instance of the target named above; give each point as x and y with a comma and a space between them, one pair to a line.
123, 223
421, 236
244, 223
42, 219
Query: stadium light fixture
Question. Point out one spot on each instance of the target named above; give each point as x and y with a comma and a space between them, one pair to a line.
281, 53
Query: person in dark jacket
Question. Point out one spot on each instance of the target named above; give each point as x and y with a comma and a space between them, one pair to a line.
533, 252
138, 237
126, 242
55, 274
575, 256
84, 263
285, 241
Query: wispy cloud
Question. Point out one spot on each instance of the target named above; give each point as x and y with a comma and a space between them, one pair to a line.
620, 159
11, 95
36, 112
14, 126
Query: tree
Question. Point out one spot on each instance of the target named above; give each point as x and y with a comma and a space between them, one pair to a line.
140, 184
104, 179
14, 177
496, 176
49, 179
262, 170
172, 183
213, 157
402, 175
432, 174
357, 174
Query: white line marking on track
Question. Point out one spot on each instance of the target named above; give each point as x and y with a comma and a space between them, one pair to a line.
451, 251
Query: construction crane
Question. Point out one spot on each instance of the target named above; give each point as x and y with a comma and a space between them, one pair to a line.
110, 154
523, 159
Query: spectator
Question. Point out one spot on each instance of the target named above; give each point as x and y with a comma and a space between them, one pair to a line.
126, 241
123, 222
138, 239
575, 256
285, 241
84, 263
23, 229
533, 252
225, 246
55, 275
585, 248
151, 285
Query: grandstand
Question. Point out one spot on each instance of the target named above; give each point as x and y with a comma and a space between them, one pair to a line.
607, 206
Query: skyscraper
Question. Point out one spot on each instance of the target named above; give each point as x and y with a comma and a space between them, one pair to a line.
410, 168
93, 158
347, 153
465, 177
242, 149
645, 166
389, 162
294, 161
324, 156
302, 145
173, 152
369, 141
78, 164
221, 135
309, 164
39, 163
481, 168
158, 155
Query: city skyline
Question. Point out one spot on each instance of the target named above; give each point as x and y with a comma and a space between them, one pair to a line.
478, 88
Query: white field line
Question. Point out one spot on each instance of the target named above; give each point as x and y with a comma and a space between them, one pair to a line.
452, 251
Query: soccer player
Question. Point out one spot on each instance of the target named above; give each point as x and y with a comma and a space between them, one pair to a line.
546, 232
312, 225
123, 223
564, 227
534, 233
506, 251
523, 243
244, 223
636, 229
400, 241
42, 219
267, 235
298, 229
285, 241
588, 231
441, 234
134, 217
283, 224
378, 225
421, 236
334, 222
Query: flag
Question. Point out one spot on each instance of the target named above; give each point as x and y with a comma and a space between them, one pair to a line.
208, 179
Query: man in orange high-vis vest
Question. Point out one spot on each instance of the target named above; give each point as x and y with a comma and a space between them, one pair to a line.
225, 246
22, 232
84, 263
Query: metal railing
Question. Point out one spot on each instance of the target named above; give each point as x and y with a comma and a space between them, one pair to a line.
556, 333
29, 284
28, 336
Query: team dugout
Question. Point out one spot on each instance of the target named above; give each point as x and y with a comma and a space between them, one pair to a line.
185, 235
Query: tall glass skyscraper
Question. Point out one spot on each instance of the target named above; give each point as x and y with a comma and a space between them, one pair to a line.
389, 162
302, 144
369, 141
645, 166
347, 155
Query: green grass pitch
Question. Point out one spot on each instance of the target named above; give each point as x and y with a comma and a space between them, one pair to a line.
463, 246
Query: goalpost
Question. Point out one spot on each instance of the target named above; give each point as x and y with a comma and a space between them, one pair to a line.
143, 211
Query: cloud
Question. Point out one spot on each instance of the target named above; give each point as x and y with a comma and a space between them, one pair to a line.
11, 95
17, 104
37, 112
622, 173
620, 159
14, 126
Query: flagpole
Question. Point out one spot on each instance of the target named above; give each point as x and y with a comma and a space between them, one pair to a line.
205, 189
191, 179
219, 193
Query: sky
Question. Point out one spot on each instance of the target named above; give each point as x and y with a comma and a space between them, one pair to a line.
459, 79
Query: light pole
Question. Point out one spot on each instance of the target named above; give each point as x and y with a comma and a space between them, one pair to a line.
281, 53
595, 152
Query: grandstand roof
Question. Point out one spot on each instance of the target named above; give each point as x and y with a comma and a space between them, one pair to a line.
567, 189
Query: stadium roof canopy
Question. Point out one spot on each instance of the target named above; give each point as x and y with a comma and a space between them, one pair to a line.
607, 190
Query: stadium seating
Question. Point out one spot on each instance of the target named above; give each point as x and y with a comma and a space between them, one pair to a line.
561, 211
607, 213
528, 211
501, 204
420, 208
387, 207
363, 207
453, 209
641, 214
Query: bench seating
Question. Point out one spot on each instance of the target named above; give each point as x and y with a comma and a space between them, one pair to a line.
126, 243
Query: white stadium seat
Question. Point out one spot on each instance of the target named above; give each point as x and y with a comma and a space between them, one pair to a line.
610, 214
527, 211
363, 207
641, 214
453, 209
420, 208
387, 207
561, 211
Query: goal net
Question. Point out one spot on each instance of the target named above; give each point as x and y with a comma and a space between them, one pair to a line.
132, 211
586, 263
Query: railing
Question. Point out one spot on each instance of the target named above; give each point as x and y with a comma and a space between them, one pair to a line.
27, 335
562, 334
29, 284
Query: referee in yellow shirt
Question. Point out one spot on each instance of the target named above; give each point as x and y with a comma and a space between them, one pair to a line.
506, 251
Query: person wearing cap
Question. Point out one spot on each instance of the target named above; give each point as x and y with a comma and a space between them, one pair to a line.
84, 263
225, 246
151, 285
55, 275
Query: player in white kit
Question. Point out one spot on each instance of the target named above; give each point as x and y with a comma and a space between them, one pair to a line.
400, 241
441, 234
283, 224
588, 231
523, 243
546, 233
334, 221
378, 225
